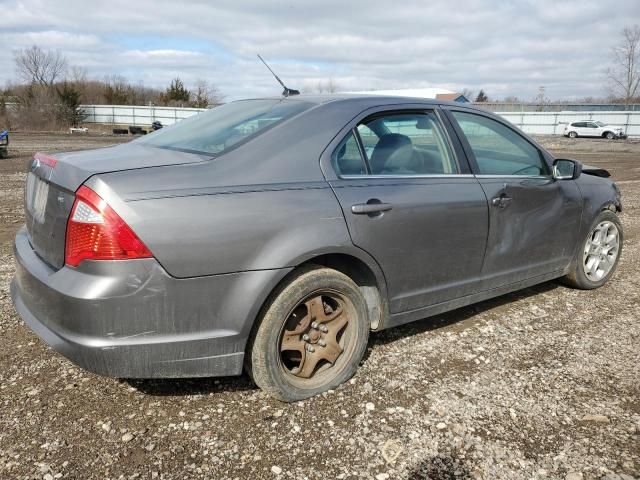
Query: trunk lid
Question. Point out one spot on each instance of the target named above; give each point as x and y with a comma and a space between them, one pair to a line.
73, 168
53, 180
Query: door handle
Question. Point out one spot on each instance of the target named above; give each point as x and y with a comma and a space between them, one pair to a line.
369, 208
501, 202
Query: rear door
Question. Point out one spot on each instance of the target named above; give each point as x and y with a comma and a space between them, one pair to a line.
410, 202
534, 219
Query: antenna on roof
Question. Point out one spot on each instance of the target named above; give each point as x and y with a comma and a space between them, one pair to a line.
287, 91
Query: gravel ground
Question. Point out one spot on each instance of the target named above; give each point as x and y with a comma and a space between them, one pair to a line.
543, 383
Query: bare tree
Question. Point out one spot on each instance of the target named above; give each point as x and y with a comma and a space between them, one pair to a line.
117, 90
205, 95
79, 74
511, 99
332, 86
624, 75
329, 86
38, 66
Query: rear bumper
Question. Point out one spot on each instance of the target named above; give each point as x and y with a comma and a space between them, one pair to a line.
130, 319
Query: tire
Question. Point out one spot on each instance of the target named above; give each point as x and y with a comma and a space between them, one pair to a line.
302, 314
573, 135
580, 276
609, 136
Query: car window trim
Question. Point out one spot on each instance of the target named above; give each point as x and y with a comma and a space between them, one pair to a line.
384, 113
409, 176
471, 157
363, 154
491, 175
464, 166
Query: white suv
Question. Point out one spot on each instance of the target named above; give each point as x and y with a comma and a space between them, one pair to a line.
589, 128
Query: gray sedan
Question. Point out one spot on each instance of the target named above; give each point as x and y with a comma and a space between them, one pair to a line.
275, 234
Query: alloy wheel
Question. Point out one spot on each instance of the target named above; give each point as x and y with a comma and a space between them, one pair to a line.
601, 251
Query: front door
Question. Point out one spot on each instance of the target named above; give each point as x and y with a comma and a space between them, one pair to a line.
534, 219
591, 130
407, 204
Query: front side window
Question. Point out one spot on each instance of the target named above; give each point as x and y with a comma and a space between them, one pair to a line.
498, 149
406, 144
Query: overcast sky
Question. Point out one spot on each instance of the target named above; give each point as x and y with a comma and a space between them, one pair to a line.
506, 47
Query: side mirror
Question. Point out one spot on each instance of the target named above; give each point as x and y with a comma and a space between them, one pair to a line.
565, 169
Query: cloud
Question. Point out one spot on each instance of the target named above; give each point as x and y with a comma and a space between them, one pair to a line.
507, 48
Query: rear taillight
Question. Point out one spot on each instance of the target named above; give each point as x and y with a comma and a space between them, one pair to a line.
96, 232
44, 159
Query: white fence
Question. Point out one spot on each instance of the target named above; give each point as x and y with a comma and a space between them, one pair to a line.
541, 123
130, 115
553, 123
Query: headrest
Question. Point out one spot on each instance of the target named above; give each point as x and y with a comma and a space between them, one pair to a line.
393, 151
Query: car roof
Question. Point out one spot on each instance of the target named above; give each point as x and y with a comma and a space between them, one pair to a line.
365, 99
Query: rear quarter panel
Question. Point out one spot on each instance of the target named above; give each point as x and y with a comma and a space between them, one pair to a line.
233, 229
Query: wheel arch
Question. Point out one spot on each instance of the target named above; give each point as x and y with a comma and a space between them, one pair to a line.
612, 206
354, 263
369, 279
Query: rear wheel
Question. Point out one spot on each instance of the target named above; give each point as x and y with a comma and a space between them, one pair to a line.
311, 336
599, 254
573, 134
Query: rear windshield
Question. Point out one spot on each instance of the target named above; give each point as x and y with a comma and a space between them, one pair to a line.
222, 127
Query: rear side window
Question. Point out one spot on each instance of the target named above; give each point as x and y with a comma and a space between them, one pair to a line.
398, 144
222, 127
406, 144
498, 149
347, 159
409, 144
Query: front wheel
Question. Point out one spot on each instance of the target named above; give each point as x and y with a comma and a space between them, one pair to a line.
311, 336
599, 254
609, 136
